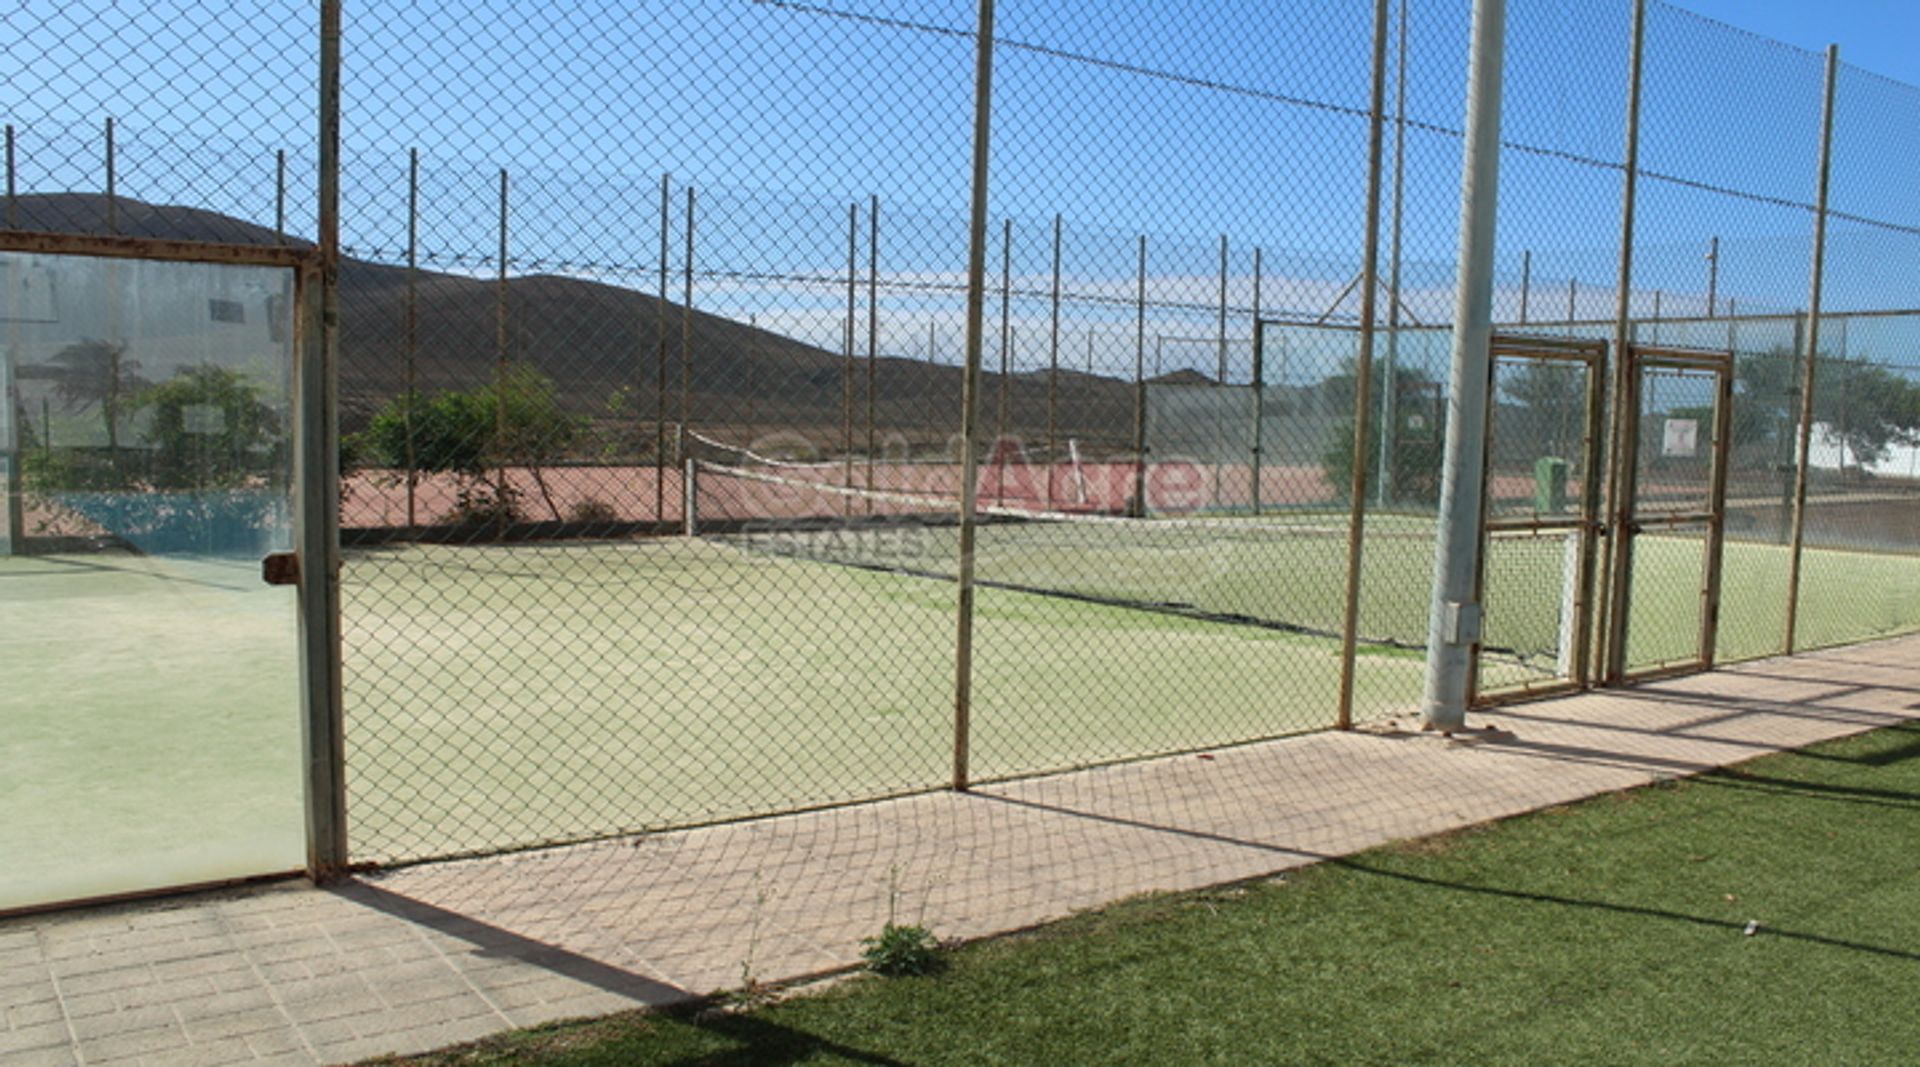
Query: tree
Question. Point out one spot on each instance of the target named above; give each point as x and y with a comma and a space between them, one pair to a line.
1867, 407
93, 372
1863, 405
473, 435
210, 429
1418, 439
1549, 409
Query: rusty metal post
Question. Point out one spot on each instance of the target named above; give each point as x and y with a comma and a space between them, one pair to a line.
1803, 454
280, 196
411, 339
1363, 372
13, 533
1713, 274
1221, 380
502, 345
1526, 282
113, 220
846, 352
873, 328
686, 336
1259, 378
970, 386
660, 362
1626, 452
1390, 398
753, 364
317, 493
13, 214
1137, 507
1006, 355
1053, 366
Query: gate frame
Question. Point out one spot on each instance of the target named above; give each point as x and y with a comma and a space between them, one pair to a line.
1592, 354
316, 517
1625, 525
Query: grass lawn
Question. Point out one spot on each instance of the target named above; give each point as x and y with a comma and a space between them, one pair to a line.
1610, 931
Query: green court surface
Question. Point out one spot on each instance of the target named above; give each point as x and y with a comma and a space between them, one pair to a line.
532, 692
149, 725
502, 695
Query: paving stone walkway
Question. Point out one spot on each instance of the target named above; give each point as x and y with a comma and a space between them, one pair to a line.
431, 955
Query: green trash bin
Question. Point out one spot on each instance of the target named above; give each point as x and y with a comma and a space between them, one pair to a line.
1549, 485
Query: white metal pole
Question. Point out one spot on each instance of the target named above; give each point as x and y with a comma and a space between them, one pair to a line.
1453, 624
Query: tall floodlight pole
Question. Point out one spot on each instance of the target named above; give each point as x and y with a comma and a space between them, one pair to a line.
1453, 624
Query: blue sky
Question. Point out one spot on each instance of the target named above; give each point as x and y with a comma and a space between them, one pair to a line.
1881, 35
1200, 118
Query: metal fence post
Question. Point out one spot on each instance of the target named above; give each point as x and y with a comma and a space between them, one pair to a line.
660, 362
1259, 377
846, 350
1390, 400
686, 333
13, 534
1221, 381
1006, 363
410, 341
502, 344
317, 494
113, 196
1453, 621
1713, 274
873, 327
1363, 372
13, 209
1053, 365
1137, 507
1625, 447
970, 388
1803, 452
1526, 282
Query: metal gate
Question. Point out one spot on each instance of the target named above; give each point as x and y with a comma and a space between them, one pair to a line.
1540, 513
1668, 511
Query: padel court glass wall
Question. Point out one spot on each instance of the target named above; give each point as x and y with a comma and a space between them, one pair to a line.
150, 713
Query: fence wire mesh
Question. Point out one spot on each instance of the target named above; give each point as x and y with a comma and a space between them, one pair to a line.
652, 342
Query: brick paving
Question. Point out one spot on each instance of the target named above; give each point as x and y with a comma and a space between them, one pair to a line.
427, 956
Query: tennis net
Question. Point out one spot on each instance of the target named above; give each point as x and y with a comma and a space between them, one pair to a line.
1285, 574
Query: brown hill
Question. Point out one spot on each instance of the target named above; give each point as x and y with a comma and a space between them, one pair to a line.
603, 346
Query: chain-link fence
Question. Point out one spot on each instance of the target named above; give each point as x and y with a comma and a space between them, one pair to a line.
652, 359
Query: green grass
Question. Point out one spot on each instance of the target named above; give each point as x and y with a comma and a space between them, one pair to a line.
1609, 932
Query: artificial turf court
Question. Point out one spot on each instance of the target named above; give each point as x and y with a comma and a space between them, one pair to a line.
1616, 930
520, 694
